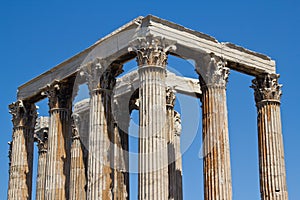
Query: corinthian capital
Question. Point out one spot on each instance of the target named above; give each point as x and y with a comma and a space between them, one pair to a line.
267, 88
151, 50
100, 74
75, 125
177, 123
23, 114
171, 97
92, 71
41, 133
59, 94
212, 71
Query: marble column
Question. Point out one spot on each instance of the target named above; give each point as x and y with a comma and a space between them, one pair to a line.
170, 100
217, 173
20, 177
59, 139
174, 154
121, 118
41, 137
271, 151
77, 173
82, 110
178, 161
101, 80
153, 138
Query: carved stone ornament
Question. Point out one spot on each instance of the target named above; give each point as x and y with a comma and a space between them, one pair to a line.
41, 133
59, 94
151, 50
92, 72
177, 124
23, 114
267, 88
101, 75
41, 138
212, 71
171, 97
75, 126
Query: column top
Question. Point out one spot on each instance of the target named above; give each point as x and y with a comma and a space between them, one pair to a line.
100, 74
151, 51
23, 114
171, 97
267, 88
213, 71
59, 94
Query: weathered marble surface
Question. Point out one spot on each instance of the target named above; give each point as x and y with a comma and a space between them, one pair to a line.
189, 45
150, 40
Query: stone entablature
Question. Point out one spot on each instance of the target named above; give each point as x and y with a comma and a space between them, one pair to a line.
189, 45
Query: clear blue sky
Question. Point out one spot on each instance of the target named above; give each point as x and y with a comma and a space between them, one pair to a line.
37, 35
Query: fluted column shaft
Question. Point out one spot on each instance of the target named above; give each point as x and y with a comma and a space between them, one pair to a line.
20, 177
101, 82
174, 154
41, 137
271, 151
99, 172
41, 175
217, 172
77, 176
121, 149
58, 156
217, 175
77, 173
171, 146
178, 160
153, 137
153, 173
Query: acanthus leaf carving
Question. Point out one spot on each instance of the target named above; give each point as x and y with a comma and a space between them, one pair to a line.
170, 97
212, 71
92, 72
151, 50
75, 125
266, 87
41, 133
100, 74
59, 94
42, 140
24, 114
177, 123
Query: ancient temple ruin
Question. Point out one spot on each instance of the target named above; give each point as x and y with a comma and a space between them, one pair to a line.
84, 148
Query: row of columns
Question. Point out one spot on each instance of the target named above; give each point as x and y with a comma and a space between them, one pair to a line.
160, 170
78, 166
